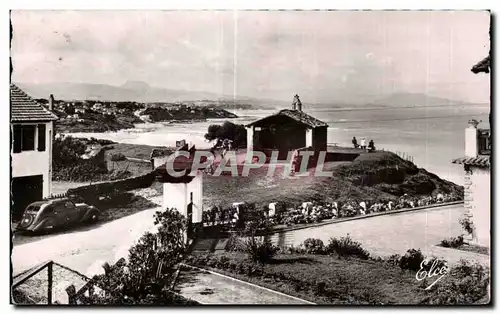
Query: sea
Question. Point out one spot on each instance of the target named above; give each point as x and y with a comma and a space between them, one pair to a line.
433, 136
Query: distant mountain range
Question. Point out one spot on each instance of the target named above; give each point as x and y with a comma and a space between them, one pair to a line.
142, 92
133, 91
414, 100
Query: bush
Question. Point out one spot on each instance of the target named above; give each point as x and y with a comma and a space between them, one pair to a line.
453, 242
394, 260
314, 246
345, 246
467, 283
411, 260
118, 157
295, 250
151, 263
261, 251
467, 225
234, 244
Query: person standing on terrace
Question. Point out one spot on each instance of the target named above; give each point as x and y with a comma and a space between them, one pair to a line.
355, 142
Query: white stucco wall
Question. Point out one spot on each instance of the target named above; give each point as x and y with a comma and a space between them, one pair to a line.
471, 143
177, 195
250, 138
32, 163
309, 137
480, 206
158, 161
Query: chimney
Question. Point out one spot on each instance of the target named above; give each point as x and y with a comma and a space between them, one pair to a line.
51, 102
471, 139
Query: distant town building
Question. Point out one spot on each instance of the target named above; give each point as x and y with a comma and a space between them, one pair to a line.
32, 128
287, 130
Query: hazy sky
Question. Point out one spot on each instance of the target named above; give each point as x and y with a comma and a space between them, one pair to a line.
322, 56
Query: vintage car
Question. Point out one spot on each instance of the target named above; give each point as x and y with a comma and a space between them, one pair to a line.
45, 216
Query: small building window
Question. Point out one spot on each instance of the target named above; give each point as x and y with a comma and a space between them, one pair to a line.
41, 137
24, 138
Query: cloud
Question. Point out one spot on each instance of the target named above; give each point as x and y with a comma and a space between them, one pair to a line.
265, 53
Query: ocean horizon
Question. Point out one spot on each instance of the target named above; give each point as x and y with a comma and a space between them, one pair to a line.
433, 136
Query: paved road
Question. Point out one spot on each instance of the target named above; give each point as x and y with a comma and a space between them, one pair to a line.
396, 233
87, 250
211, 288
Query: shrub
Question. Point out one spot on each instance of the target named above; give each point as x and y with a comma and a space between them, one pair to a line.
411, 260
261, 251
467, 283
314, 246
453, 242
223, 262
212, 263
241, 268
151, 263
233, 266
467, 225
465, 268
295, 250
345, 246
234, 244
118, 157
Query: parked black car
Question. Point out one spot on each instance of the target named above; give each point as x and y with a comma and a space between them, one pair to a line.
45, 216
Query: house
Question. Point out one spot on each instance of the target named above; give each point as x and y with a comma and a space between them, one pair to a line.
287, 130
32, 128
477, 166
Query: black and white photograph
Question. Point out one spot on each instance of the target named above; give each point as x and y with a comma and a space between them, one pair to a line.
250, 157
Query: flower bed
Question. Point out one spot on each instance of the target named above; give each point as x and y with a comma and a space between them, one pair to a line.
314, 212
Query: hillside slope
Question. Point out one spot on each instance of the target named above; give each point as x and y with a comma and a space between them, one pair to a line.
370, 177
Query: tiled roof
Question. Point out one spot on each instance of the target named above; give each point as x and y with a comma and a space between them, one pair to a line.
296, 115
24, 108
479, 161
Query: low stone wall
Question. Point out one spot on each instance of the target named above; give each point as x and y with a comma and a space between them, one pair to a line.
338, 220
287, 236
93, 191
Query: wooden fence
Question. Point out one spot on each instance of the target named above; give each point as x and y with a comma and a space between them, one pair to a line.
402, 155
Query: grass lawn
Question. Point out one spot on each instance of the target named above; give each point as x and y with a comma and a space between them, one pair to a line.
262, 189
135, 150
345, 280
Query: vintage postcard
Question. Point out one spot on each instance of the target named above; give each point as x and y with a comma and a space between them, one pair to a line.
292, 157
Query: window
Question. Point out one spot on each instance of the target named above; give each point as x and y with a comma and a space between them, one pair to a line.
24, 138
41, 137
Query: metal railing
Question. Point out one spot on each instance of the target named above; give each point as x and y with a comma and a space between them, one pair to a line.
52, 283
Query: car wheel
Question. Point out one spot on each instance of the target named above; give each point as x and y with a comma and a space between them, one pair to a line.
94, 217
